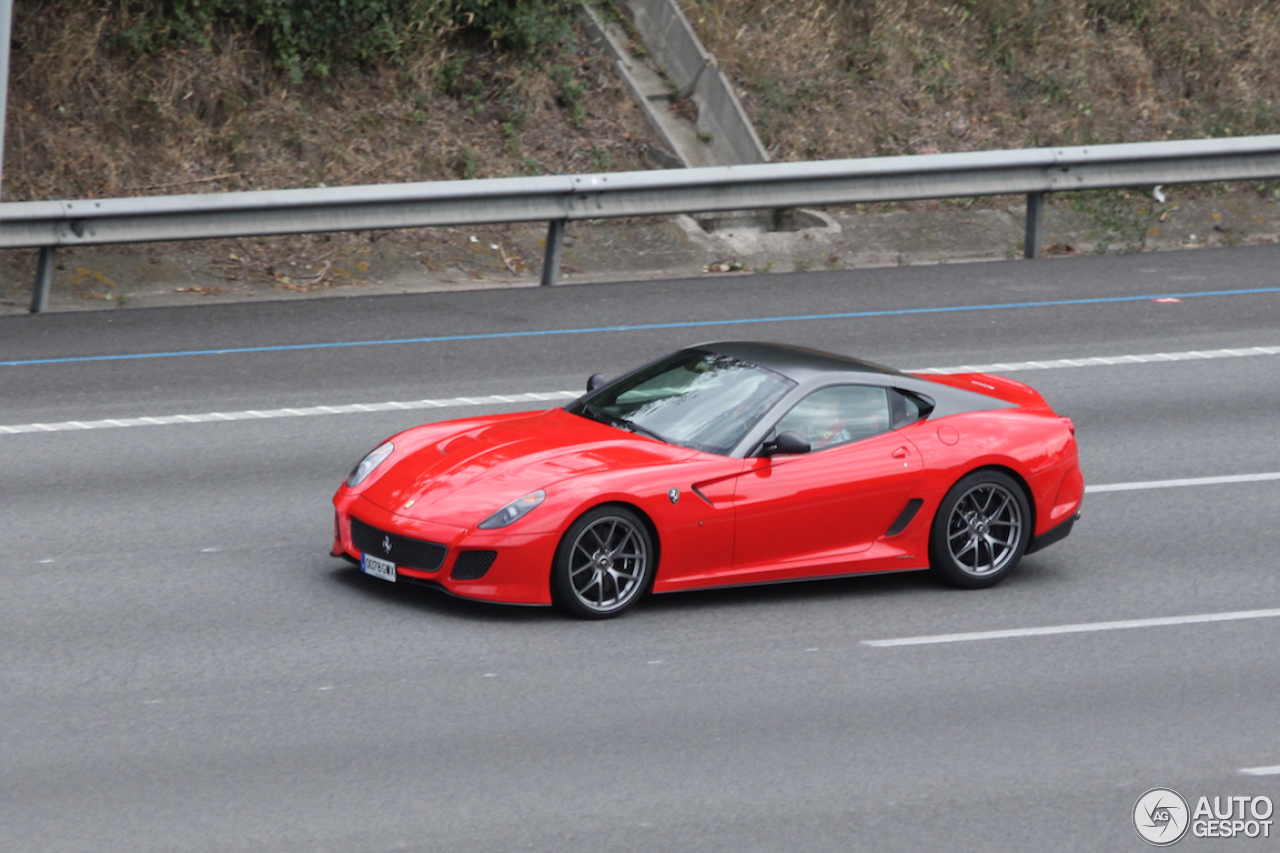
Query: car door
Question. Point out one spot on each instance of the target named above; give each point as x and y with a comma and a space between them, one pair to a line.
811, 514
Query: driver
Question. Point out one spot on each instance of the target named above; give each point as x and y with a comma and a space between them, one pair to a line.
826, 426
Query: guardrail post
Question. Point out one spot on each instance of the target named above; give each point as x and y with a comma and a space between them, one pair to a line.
555, 248
44, 279
1035, 225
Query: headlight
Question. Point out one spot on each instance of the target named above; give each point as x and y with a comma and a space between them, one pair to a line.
512, 511
375, 458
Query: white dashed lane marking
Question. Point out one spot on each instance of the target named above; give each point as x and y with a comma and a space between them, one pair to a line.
1190, 481
1079, 628
1102, 361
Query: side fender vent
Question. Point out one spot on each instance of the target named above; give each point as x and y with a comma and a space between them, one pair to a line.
913, 506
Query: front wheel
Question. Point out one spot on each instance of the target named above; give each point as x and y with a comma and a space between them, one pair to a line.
602, 564
981, 530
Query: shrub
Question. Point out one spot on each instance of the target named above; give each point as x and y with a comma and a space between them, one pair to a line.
313, 37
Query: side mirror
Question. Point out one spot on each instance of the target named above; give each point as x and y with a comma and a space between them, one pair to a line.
596, 380
788, 443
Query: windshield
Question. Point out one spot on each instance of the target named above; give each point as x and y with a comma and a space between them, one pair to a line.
695, 399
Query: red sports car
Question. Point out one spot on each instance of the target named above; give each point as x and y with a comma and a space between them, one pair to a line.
719, 465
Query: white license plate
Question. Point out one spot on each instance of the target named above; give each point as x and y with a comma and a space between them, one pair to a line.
384, 569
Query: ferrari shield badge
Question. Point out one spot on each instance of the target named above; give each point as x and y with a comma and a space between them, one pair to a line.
674, 494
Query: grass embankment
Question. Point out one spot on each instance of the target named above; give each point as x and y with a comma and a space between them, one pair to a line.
114, 98
120, 97
826, 79
136, 97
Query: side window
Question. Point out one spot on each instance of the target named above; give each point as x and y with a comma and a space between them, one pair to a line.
838, 415
909, 407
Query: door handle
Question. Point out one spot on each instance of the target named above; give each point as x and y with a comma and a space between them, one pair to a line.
900, 453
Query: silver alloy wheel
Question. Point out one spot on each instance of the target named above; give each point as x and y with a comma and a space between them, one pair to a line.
984, 529
607, 564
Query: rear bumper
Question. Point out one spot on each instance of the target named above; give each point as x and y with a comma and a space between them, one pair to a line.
1053, 534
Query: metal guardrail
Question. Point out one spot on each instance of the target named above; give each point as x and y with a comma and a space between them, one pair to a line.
48, 225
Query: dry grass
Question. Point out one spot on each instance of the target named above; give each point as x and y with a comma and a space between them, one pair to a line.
827, 79
87, 120
822, 79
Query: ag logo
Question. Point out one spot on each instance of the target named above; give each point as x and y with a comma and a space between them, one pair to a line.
1161, 816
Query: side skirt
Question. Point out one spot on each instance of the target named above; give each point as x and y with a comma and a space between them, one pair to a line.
808, 579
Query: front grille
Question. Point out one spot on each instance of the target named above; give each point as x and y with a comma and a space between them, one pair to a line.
405, 552
472, 565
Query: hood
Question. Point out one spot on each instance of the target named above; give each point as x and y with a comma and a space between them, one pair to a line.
468, 475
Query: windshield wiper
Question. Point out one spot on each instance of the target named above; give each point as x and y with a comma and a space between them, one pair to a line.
620, 422
595, 414
635, 427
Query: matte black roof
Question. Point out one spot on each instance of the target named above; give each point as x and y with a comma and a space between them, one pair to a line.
798, 363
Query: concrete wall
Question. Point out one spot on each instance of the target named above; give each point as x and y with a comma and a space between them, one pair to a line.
695, 74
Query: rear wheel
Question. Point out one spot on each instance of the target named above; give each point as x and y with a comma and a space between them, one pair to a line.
602, 564
981, 530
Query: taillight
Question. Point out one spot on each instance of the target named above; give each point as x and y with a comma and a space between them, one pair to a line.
1069, 424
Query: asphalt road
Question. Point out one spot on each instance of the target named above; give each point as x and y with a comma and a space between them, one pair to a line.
184, 668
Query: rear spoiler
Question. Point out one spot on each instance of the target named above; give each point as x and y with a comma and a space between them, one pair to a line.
1009, 390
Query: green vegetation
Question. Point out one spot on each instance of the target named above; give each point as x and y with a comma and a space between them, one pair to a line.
571, 90
1120, 222
314, 37
467, 162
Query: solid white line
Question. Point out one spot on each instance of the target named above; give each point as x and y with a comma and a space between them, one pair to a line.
542, 396
1273, 770
1190, 481
1081, 628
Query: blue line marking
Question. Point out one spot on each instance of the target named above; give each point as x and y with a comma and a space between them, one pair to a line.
851, 315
